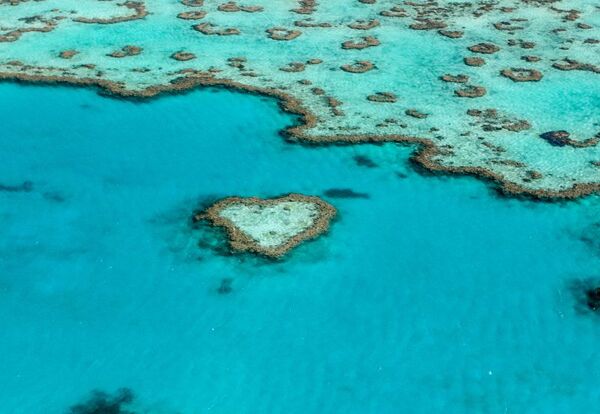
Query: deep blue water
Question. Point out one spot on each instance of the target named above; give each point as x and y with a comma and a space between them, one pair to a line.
431, 294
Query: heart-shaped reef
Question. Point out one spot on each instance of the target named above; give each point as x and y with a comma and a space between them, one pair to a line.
270, 227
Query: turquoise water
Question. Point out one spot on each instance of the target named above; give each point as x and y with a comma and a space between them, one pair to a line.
431, 294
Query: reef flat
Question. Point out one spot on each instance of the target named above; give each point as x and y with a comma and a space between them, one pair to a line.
506, 90
270, 227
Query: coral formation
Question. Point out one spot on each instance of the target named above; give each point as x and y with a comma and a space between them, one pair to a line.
522, 74
270, 227
313, 78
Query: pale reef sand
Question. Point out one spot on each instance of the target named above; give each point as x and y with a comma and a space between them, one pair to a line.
271, 226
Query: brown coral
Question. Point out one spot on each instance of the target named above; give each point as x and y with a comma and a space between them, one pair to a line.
126, 51
383, 97
209, 29
485, 48
68, 54
522, 74
360, 66
474, 61
471, 92
192, 15
183, 56
366, 41
281, 33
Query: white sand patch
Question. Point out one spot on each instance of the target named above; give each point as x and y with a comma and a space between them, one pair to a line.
272, 225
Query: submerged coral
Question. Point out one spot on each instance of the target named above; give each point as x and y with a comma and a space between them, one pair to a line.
103, 403
225, 286
593, 298
586, 293
563, 138
344, 193
25, 187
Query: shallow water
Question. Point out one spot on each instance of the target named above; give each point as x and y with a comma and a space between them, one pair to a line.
432, 294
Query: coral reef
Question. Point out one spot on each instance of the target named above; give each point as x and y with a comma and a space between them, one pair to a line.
210, 29
183, 56
138, 8
522, 74
360, 66
363, 43
383, 97
292, 53
281, 33
270, 227
126, 51
68, 54
562, 138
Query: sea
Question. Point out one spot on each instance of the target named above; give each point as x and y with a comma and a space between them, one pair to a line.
430, 293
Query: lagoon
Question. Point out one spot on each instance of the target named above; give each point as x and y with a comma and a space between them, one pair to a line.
432, 293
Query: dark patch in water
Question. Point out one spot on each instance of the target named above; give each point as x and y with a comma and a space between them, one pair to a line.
586, 293
591, 238
54, 197
178, 229
103, 403
184, 212
364, 161
401, 175
213, 239
25, 187
593, 298
344, 193
225, 286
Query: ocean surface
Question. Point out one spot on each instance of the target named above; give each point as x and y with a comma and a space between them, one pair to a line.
428, 293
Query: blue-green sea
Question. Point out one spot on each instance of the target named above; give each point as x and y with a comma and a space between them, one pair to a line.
429, 293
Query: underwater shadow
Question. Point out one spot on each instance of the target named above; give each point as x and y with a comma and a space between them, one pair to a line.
101, 402
586, 295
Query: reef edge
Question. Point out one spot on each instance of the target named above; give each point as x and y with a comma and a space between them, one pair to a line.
241, 242
423, 156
